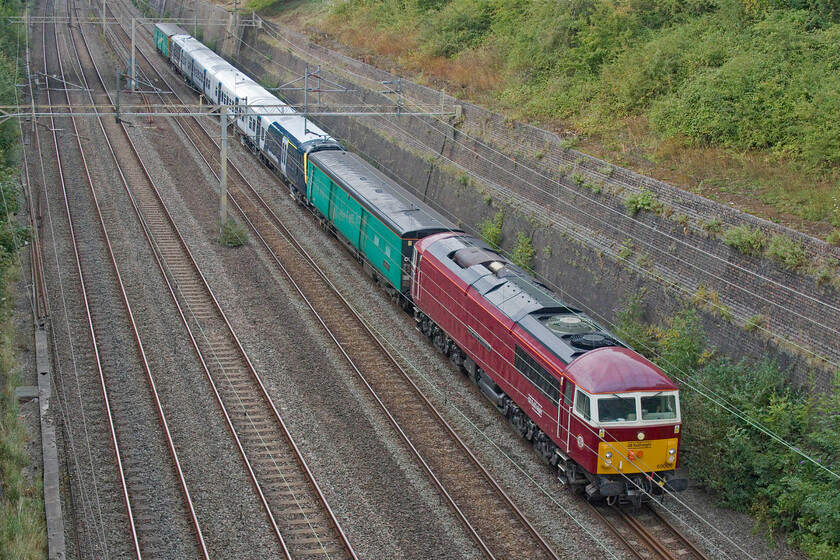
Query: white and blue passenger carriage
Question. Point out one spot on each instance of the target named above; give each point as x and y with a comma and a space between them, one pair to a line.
289, 140
280, 136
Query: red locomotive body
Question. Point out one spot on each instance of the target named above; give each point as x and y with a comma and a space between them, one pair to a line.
604, 415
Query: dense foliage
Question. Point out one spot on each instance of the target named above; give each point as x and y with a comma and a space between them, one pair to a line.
736, 73
11, 234
729, 410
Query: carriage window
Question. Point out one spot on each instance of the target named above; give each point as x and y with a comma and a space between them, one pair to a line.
582, 405
659, 407
617, 409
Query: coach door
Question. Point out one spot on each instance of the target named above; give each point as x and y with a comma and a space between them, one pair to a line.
284, 156
259, 132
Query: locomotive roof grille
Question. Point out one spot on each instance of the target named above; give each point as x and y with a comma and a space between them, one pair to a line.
563, 330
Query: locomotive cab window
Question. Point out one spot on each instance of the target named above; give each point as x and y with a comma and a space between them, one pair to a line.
617, 408
659, 407
582, 405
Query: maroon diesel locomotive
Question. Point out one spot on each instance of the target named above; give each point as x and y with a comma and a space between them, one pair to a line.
606, 417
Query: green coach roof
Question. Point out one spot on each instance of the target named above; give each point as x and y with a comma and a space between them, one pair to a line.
393, 205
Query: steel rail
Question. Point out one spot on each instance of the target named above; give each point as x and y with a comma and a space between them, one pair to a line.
59, 381
358, 370
253, 373
146, 232
435, 479
678, 534
40, 307
111, 427
264, 392
290, 238
644, 535
615, 532
123, 294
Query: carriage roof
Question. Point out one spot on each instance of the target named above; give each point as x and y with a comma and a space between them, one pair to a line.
400, 210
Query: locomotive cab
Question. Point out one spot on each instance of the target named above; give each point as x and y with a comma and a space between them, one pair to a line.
628, 441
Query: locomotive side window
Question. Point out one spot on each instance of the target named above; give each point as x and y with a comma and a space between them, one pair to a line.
659, 407
537, 375
582, 405
617, 409
569, 393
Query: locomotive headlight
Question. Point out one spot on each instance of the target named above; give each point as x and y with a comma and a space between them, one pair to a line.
608, 458
672, 455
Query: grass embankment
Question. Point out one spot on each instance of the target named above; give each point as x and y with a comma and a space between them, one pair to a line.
738, 100
22, 531
787, 487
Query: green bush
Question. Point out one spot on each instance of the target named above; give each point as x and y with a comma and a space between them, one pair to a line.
771, 85
22, 531
732, 73
754, 322
259, 5
746, 239
631, 327
759, 475
642, 200
523, 252
626, 249
711, 226
789, 252
458, 26
491, 229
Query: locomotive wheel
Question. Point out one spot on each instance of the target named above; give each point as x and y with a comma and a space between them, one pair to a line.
457, 357
442, 343
519, 421
545, 447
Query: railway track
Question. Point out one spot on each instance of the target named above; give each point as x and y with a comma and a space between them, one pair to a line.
495, 523
302, 521
499, 528
137, 426
646, 534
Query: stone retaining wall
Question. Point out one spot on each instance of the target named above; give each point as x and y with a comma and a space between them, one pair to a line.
572, 206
